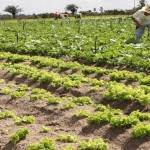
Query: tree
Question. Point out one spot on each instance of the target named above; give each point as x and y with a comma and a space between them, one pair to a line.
101, 9
20, 10
94, 10
13, 10
72, 7
142, 3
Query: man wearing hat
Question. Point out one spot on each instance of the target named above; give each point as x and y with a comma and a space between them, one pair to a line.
142, 20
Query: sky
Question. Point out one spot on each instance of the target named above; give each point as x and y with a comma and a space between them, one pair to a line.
43, 6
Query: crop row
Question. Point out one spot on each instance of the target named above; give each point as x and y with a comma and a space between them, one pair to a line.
92, 144
114, 91
116, 117
50, 143
113, 74
19, 91
137, 120
18, 120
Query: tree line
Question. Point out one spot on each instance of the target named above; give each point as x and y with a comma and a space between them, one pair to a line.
16, 12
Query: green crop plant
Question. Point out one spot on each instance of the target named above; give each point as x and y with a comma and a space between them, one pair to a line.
45, 129
6, 114
94, 88
54, 100
23, 87
2, 81
145, 88
93, 144
6, 90
141, 116
121, 121
145, 81
17, 94
141, 130
101, 107
20, 134
120, 92
68, 106
83, 101
67, 138
37, 94
82, 114
99, 117
44, 144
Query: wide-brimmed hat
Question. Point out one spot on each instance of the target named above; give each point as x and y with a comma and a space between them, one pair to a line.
146, 9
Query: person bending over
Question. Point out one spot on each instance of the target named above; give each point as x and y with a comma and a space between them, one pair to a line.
142, 20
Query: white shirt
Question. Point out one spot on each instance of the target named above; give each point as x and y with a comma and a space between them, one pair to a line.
141, 18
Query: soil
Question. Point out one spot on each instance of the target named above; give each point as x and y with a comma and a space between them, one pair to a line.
64, 121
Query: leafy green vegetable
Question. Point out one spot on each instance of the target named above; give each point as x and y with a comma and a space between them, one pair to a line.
20, 134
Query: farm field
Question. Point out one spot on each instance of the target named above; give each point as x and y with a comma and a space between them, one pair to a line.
74, 85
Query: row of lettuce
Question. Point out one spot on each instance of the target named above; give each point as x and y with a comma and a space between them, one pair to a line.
113, 74
113, 90
50, 143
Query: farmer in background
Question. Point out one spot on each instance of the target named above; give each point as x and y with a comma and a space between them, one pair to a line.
142, 20
56, 15
77, 15
66, 14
